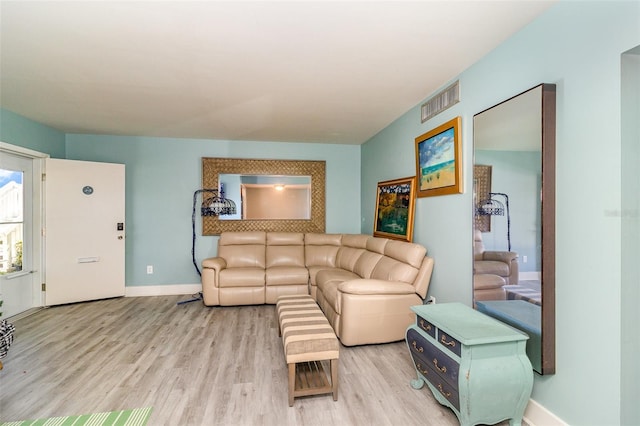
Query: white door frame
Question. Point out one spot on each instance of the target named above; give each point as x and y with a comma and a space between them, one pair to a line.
38, 217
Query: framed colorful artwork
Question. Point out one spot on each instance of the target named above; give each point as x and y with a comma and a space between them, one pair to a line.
395, 204
439, 160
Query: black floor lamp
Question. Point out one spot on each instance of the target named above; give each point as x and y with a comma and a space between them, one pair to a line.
213, 204
493, 207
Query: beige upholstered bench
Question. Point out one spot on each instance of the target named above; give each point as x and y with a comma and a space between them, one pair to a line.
308, 339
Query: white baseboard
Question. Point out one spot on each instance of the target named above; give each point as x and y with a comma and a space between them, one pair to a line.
529, 276
536, 415
162, 290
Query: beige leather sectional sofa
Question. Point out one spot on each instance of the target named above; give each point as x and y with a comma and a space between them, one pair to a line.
364, 285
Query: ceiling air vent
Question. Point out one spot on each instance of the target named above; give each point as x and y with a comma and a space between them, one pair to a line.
443, 100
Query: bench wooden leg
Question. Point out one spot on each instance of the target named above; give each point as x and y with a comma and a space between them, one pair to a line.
292, 382
334, 378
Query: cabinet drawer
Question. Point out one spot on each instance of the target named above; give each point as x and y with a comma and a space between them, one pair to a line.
426, 326
433, 356
422, 366
449, 342
446, 390
442, 386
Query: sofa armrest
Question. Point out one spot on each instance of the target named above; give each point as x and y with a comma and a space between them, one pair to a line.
370, 286
508, 257
215, 263
211, 268
502, 256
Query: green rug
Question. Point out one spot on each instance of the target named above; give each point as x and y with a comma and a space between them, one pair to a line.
137, 417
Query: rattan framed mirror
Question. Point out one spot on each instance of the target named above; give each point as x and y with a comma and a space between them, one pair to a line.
212, 168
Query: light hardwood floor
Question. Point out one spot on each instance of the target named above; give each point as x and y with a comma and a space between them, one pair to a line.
194, 365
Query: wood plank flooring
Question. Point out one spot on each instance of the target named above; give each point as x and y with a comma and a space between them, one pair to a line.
194, 365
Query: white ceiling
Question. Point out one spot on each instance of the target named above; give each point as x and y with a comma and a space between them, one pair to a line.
301, 71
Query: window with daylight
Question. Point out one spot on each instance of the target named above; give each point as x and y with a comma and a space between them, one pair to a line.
11, 221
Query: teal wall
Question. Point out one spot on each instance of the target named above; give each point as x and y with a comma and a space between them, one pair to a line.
162, 175
577, 46
18, 130
516, 174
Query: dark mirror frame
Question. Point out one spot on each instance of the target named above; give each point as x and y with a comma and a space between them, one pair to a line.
548, 203
548, 225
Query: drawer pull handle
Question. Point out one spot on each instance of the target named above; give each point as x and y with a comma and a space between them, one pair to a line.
426, 327
451, 343
443, 369
415, 346
420, 369
446, 394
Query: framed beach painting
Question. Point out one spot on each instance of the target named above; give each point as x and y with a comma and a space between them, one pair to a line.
395, 204
439, 160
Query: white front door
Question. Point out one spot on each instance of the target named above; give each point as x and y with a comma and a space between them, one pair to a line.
84, 231
18, 249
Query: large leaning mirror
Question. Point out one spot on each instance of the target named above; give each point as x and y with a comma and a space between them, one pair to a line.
514, 218
271, 195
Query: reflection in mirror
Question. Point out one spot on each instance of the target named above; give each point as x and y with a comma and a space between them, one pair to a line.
267, 196
514, 218
314, 171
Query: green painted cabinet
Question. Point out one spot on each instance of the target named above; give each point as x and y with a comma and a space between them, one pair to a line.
471, 362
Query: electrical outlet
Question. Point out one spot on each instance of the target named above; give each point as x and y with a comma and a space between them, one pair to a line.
149, 269
524, 259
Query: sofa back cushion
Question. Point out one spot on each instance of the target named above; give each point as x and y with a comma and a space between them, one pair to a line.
366, 263
243, 249
389, 269
410, 253
285, 249
321, 249
401, 262
353, 246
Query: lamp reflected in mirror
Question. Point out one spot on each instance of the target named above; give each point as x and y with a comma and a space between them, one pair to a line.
493, 207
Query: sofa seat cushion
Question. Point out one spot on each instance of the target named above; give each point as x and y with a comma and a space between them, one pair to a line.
242, 277
327, 275
328, 295
313, 272
370, 286
286, 275
328, 281
487, 282
491, 267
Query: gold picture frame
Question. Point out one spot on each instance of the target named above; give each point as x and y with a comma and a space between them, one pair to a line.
439, 160
395, 205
